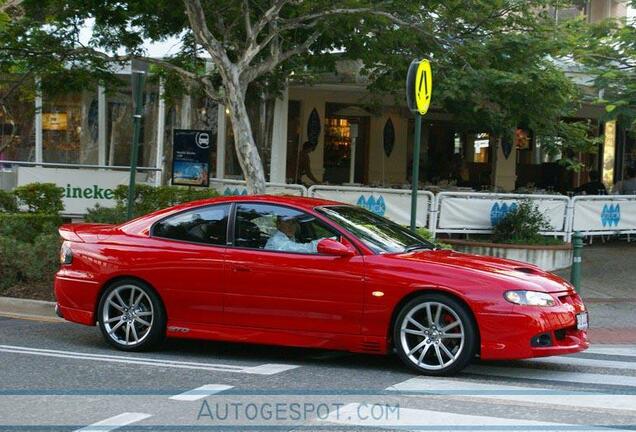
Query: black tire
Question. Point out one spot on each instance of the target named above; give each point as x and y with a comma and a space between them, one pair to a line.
149, 307
463, 351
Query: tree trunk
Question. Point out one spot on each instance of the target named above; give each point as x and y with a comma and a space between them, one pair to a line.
246, 150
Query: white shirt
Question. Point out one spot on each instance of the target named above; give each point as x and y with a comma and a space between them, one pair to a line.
280, 242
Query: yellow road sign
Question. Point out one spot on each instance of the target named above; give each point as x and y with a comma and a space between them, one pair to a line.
423, 86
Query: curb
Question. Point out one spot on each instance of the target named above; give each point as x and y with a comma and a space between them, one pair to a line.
36, 310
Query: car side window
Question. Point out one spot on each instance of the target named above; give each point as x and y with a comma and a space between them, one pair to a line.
278, 228
202, 225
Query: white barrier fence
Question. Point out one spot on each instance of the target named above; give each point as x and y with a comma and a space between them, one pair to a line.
394, 204
604, 214
475, 213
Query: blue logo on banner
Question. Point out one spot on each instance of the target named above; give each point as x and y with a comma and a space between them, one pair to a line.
376, 206
235, 191
611, 215
498, 211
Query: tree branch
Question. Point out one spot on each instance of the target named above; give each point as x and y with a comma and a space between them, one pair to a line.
204, 36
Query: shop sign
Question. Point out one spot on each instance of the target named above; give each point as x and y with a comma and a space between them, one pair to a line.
191, 157
55, 121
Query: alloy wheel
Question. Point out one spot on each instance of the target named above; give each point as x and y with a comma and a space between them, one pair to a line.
127, 315
432, 335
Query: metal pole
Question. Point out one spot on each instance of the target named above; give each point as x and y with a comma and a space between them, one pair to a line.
577, 245
38, 121
415, 176
138, 87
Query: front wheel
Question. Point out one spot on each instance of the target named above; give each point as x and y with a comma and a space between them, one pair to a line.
435, 335
131, 316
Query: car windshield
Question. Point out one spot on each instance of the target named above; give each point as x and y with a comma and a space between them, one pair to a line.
379, 234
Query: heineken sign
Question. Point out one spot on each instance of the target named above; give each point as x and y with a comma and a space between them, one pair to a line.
81, 188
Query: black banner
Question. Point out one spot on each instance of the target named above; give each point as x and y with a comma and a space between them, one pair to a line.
191, 157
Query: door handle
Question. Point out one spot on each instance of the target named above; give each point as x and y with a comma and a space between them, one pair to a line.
241, 269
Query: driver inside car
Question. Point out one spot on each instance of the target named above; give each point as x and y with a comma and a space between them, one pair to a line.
284, 238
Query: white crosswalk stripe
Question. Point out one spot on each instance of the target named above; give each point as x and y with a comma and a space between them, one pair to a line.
538, 395
552, 375
540, 386
201, 392
612, 350
421, 420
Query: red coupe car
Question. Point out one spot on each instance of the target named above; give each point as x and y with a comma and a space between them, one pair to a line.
309, 273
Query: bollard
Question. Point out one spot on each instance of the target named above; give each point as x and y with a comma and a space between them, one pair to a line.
577, 245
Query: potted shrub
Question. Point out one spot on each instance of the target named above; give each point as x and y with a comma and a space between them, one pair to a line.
517, 236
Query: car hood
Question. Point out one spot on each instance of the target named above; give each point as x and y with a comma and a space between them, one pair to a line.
487, 267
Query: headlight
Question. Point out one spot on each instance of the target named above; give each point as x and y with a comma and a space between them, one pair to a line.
66, 254
531, 298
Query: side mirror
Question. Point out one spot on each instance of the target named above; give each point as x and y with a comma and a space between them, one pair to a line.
334, 248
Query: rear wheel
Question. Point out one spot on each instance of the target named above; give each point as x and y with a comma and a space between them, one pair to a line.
131, 316
435, 335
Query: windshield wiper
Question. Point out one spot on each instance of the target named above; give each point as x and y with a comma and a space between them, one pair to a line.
414, 247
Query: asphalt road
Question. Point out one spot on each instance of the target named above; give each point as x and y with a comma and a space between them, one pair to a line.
62, 377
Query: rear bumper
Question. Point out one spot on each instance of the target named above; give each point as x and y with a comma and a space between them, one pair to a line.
76, 298
510, 336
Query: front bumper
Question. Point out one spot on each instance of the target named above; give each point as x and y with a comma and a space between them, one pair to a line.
513, 335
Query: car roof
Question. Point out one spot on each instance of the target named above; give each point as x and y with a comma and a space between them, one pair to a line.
297, 201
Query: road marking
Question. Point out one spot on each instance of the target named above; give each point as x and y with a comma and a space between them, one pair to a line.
551, 375
587, 362
201, 392
533, 395
356, 414
266, 369
612, 350
115, 422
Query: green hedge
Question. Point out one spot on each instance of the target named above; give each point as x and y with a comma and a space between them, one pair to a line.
40, 197
28, 262
25, 227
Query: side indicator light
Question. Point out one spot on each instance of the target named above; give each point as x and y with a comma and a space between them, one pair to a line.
377, 293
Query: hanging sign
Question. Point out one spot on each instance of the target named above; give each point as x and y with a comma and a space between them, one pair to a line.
191, 157
389, 137
419, 86
313, 128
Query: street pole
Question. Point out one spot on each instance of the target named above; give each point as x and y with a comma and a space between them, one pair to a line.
577, 246
415, 175
138, 87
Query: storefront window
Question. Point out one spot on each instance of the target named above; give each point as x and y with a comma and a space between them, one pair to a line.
17, 116
482, 147
343, 125
119, 124
69, 128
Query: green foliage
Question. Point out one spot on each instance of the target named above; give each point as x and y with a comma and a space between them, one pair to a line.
608, 49
28, 261
147, 199
108, 215
40, 197
25, 227
521, 225
427, 235
8, 202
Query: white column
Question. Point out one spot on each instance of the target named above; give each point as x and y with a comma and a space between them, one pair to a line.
220, 142
186, 111
352, 159
161, 133
38, 121
278, 156
101, 125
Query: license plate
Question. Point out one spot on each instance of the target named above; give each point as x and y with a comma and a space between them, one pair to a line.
581, 321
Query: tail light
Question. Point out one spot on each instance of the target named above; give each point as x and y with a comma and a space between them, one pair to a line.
66, 254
